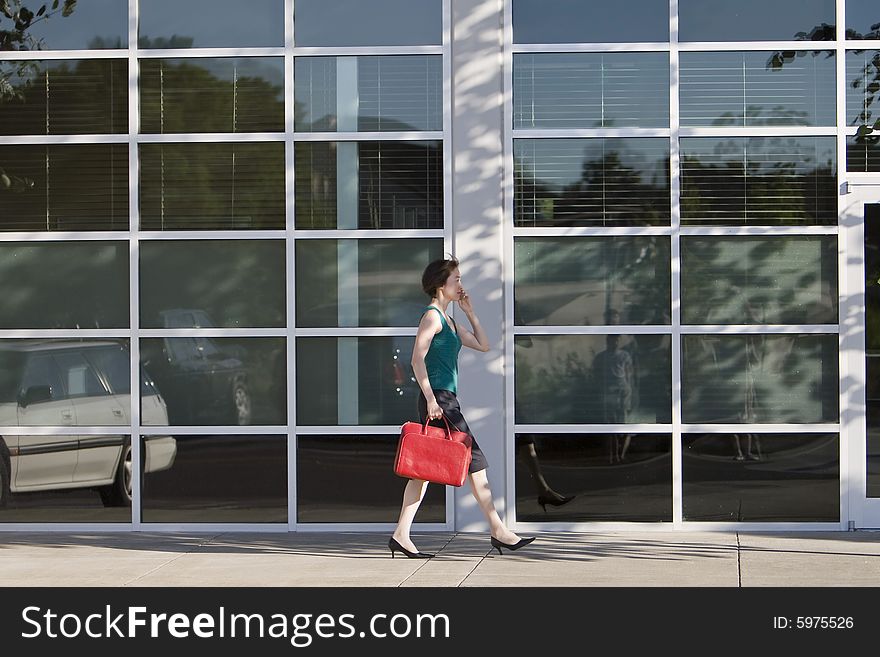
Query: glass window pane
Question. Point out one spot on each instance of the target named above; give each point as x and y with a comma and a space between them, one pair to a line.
758, 88
244, 94
759, 180
65, 187
872, 343
369, 93
202, 479
215, 381
366, 488
54, 97
863, 153
575, 21
592, 281
604, 379
73, 284
87, 24
862, 87
760, 378
212, 186
609, 477
615, 181
862, 19
67, 479
210, 24
369, 282
756, 20
369, 184
350, 381
751, 477
591, 90
62, 382
212, 283
759, 280
358, 23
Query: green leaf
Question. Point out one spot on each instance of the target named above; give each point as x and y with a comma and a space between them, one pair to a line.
5, 181
42, 10
69, 6
864, 131
54, 5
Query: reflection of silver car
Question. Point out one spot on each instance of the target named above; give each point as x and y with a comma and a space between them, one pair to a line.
45, 383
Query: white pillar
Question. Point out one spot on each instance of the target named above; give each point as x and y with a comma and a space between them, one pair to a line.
477, 124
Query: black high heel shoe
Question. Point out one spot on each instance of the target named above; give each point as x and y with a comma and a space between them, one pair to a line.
516, 546
394, 546
544, 500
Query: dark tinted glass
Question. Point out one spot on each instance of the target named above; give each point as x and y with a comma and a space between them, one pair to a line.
591, 90
862, 19
863, 153
753, 477
350, 381
243, 94
212, 186
212, 283
64, 187
210, 24
88, 96
759, 180
609, 476
604, 379
362, 282
591, 182
369, 93
754, 20
374, 23
366, 490
369, 184
64, 285
575, 21
872, 343
760, 378
216, 479
757, 88
216, 381
592, 280
759, 280
92, 24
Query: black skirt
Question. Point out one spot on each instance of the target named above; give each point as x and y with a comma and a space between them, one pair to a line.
447, 400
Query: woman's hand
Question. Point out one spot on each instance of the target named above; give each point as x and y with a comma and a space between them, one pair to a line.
434, 410
464, 302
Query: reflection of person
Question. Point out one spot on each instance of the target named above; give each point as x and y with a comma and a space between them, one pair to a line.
435, 364
546, 495
614, 371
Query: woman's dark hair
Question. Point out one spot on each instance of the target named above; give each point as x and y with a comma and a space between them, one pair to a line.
435, 275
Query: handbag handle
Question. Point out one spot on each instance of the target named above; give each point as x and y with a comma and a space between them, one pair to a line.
448, 435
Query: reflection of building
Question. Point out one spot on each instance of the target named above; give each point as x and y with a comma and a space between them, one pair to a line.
256, 231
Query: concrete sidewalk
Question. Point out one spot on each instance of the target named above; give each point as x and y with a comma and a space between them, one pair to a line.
362, 559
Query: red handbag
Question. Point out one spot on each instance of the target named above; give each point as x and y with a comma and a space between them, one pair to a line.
435, 454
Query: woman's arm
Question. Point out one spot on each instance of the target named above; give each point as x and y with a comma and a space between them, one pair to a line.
478, 339
428, 327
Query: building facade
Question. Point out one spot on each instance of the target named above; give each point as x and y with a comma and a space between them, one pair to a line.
665, 217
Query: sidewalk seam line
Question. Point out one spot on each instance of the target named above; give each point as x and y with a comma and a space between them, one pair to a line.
201, 544
426, 561
739, 578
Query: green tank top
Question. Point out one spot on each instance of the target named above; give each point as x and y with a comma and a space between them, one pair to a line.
441, 361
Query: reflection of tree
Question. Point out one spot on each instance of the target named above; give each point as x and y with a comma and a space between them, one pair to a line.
217, 181
867, 120
610, 191
17, 37
767, 180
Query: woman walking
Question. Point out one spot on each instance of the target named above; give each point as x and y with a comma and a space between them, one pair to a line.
435, 364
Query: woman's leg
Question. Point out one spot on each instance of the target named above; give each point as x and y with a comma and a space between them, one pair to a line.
412, 498
483, 495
